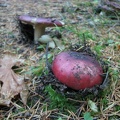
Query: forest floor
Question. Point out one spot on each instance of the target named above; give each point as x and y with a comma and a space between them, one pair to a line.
101, 33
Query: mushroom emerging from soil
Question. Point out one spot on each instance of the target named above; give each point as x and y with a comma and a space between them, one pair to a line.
47, 39
77, 70
39, 24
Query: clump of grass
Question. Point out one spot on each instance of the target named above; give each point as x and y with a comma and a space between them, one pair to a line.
79, 33
37, 70
58, 100
98, 49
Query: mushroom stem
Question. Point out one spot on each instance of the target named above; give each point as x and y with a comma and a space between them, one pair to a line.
38, 32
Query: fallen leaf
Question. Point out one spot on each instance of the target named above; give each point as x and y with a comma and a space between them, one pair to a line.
92, 106
51, 44
87, 116
118, 47
59, 44
12, 83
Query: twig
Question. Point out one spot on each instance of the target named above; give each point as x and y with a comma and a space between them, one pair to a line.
48, 65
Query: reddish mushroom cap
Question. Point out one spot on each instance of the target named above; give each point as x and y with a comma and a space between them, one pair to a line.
43, 21
76, 70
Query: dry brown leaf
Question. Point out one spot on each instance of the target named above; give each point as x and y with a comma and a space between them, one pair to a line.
12, 83
118, 47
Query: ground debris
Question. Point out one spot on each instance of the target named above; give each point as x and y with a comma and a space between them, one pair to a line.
12, 83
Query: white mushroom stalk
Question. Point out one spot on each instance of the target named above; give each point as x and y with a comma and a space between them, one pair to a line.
38, 32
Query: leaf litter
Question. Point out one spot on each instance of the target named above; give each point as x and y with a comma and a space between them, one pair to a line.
12, 83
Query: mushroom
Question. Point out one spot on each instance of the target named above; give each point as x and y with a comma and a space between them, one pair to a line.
47, 39
39, 24
52, 42
77, 70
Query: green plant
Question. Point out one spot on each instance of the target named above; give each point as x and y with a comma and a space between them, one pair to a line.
104, 101
41, 47
98, 49
114, 72
37, 70
79, 33
59, 118
87, 116
40, 68
58, 29
85, 4
57, 100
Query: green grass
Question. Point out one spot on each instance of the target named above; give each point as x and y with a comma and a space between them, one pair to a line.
58, 100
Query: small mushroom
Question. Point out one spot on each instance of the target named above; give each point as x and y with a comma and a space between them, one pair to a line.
52, 42
47, 39
39, 24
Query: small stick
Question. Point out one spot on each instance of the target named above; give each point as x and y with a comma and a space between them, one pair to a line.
48, 65
84, 40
